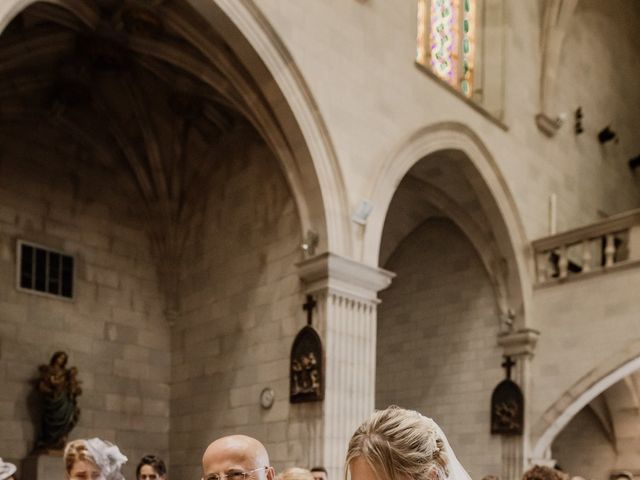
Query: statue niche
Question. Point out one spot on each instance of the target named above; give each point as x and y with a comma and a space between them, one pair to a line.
306, 383
58, 388
507, 405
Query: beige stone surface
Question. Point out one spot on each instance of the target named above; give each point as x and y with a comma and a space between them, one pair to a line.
102, 329
437, 349
582, 448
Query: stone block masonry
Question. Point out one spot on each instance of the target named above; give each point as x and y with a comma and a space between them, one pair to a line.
437, 349
113, 329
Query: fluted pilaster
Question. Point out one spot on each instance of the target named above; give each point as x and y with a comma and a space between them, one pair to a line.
520, 346
346, 295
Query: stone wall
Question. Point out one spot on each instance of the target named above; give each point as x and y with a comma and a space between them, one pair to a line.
373, 99
241, 309
583, 449
114, 329
437, 351
590, 321
597, 73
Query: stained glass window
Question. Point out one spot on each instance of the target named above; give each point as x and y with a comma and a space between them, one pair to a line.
446, 40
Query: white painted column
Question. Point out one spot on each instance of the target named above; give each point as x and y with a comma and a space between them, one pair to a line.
346, 295
518, 345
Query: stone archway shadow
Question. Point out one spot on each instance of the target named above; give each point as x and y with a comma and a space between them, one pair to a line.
556, 417
493, 194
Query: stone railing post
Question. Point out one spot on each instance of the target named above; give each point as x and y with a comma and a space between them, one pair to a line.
610, 243
346, 296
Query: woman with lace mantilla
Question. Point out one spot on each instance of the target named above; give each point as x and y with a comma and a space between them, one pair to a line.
93, 459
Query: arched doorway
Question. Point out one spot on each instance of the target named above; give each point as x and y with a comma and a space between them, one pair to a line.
603, 437
475, 163
457, 289
603, 403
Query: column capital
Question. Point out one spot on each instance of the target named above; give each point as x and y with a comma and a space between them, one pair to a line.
341, 275
520, 342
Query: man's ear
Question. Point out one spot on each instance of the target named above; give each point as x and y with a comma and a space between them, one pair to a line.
271, 473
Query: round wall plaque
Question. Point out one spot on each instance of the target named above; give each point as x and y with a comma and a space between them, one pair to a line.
267, 396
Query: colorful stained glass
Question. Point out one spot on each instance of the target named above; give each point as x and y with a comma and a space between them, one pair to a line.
444, 40
451, 31
468, 46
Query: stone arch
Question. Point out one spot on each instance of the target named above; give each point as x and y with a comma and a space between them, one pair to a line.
493, 194
307, 155
558, 415
314, 173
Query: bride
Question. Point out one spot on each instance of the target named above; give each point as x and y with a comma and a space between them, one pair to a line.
398, 444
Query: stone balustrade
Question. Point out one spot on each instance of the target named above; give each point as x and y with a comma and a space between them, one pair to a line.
594, 248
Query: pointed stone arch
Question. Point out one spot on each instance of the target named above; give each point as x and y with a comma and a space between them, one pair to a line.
313, 172
493, 193
557, 416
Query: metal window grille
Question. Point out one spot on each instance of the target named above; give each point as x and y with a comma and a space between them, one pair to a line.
44, 271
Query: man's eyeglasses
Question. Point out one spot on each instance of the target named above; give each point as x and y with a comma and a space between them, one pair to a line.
232, 475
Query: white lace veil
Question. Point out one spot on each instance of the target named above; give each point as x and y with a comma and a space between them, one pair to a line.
108, 458
456, 470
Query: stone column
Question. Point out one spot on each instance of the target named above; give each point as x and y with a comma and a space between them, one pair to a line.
518, 345
346, 295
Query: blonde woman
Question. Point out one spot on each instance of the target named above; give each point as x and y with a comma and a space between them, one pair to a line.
295, 473
93, 459
396, 444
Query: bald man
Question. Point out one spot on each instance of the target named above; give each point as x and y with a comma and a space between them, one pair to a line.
236, 457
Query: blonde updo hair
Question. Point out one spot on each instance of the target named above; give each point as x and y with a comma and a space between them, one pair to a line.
76, 451
296, 473
399, 443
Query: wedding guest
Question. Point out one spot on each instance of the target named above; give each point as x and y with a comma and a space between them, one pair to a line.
540, 472
319, 473
93, 459
295, 473
236, 457
151, 467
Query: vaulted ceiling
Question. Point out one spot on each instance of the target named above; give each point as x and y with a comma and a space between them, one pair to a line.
618, 411
147, 89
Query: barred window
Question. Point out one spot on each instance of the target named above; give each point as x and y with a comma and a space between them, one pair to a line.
45, 271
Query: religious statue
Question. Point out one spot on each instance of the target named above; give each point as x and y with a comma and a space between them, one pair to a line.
59, 389
305, 375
